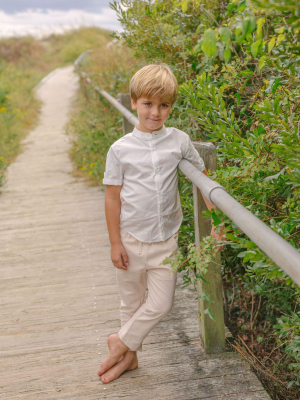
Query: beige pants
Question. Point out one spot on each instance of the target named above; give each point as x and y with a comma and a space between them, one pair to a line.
139, 317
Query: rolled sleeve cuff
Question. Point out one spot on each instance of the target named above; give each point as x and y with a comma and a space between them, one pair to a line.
202, 167
116, 182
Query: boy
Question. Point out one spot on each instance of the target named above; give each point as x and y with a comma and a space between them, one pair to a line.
143, 213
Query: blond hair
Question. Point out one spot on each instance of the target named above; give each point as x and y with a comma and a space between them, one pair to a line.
154, 81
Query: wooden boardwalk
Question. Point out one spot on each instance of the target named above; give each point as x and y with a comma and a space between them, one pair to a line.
58, 294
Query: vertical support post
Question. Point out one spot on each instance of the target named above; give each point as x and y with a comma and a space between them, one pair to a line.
212, 333
84, 89
124, 99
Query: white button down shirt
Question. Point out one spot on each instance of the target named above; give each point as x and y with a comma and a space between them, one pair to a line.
145, 164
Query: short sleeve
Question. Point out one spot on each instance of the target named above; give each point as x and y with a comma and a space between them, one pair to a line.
192, 155
113, 174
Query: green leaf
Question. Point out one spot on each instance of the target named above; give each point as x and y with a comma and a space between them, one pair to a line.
269, 178
230, 237
252, 20
199, 276
275, 85
227, 55
280, 38
206, 297
271, 44
252, 255
279, 30
262, 62
246, 72
242, 254
217, 220
259, 24
238, 97
231, 8
254, 47
249, 37
207, 311
251, 244
274, 273
184, 6
224, 35
242, 5
209, 43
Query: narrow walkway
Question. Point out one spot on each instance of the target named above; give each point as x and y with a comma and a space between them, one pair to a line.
58, 294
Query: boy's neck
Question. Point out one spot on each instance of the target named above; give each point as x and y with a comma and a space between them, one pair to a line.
142, 129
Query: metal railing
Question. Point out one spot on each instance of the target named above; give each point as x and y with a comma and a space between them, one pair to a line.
279, 250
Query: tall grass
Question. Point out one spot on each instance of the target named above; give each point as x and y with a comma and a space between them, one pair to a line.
23, 63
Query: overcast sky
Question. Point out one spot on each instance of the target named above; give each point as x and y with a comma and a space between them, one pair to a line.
41, 17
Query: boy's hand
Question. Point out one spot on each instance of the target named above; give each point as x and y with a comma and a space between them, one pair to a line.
119, 256
218, 236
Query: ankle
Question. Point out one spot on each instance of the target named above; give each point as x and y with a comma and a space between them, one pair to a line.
131, 354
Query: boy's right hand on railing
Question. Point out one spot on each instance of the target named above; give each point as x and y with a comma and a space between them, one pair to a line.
119, 256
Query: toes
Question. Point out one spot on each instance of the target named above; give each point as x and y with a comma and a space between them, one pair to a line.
108, 363
105, 379
118, 369
103, 368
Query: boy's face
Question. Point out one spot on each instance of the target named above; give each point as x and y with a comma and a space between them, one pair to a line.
152, 113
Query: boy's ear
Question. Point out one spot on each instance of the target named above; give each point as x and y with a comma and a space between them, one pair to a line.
133, 104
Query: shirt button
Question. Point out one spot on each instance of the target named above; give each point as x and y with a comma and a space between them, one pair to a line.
157, 169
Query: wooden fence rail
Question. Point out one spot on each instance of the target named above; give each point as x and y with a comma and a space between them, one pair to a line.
212, 333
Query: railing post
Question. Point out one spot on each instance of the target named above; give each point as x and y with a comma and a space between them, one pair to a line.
124, 99
84, 88
212, 333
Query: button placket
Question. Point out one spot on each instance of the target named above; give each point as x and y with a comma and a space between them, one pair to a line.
158, 182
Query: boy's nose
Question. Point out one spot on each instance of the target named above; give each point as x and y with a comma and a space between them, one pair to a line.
155, 111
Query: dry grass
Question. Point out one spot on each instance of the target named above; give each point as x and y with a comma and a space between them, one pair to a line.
276, 387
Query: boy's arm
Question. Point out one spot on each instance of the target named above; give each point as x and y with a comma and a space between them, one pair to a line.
112, 214
209, 205
192, 155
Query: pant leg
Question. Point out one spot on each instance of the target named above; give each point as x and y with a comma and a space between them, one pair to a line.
161, 288
131, 282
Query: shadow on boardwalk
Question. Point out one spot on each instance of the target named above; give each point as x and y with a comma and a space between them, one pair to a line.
58, 292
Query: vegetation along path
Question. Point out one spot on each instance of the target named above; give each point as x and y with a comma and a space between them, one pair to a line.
58, 294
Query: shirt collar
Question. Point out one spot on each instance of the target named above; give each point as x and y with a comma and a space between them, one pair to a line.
147, 135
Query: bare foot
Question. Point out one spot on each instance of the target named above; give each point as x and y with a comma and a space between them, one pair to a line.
128, 362
116, 349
